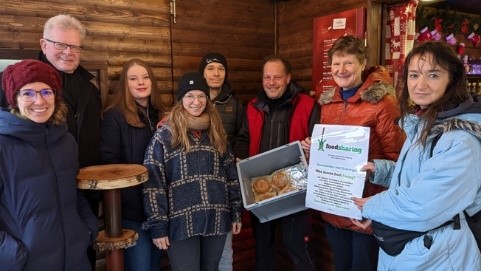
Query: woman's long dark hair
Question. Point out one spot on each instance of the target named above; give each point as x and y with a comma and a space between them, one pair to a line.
438, 54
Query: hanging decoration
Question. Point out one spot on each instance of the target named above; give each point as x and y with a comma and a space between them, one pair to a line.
465, 26
456, 28
400, 37
451, 39
474, 38
435, 35
460, 49
424, 35
437, 25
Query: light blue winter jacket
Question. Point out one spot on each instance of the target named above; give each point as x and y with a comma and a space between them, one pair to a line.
425, 191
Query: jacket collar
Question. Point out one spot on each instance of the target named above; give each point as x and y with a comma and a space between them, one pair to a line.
376, 85
293, 88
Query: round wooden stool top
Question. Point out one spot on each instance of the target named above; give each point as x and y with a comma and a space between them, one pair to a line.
104, 243
113, 176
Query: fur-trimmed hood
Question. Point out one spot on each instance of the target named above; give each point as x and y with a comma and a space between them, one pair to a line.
453, 124
377, 84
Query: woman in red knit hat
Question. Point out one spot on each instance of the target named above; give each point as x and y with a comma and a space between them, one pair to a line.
44, 223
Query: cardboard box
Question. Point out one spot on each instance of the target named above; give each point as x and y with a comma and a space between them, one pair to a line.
264, 164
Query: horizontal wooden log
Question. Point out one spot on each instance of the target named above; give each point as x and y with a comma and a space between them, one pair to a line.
241, 11
246, 77
91, 8
293, 53
296, 38
127, 44
247, 53
235, 61
198, 37
116, 58
164, 86
93, 45
314, 8
298, 64
101, 29
161, 74
14, 22
244, 6
216, 24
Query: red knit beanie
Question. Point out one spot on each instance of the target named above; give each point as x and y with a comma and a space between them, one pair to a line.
29, 71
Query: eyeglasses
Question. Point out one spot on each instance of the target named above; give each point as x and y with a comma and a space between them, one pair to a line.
191, 98
63, 46
30, 95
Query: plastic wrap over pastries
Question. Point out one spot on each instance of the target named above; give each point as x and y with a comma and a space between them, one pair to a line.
281, 181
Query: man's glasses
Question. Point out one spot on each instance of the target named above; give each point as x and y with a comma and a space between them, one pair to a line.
63, 46
191, 98
30, 95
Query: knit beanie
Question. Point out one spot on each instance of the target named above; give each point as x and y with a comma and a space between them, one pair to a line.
192, 81
28, 71
210, 58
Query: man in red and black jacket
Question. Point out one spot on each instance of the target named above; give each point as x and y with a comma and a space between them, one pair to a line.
280, 114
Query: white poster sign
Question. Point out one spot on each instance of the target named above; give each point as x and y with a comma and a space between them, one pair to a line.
337, 154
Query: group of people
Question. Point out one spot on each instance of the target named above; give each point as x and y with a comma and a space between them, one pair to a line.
51, 120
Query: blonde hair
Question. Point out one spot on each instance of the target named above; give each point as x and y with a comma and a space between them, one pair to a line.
178, 123
65, 22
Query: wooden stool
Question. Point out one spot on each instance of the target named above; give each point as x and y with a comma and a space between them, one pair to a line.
110, 179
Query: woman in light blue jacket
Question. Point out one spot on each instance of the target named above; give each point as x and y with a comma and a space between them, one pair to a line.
432, 182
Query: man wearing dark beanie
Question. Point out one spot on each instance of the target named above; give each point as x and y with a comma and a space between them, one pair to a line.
61, 46
213, 67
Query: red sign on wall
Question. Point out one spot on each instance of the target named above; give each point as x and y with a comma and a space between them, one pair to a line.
328, 29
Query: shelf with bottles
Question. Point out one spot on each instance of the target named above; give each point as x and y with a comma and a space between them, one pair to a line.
472, 65
473, 83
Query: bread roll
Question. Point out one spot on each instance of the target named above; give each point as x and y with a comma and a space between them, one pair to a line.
261, 186
280, 180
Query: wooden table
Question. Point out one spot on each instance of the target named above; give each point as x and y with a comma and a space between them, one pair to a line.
111, 179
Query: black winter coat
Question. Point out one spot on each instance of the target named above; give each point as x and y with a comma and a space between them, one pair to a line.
84, 110
230, 110
124, 144
44, 222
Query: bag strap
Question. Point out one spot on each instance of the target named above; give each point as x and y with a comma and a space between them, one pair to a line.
433, 144
457, 224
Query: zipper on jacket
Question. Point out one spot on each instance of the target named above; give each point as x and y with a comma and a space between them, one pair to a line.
59, 207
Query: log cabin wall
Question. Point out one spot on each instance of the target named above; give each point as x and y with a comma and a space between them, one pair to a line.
119, 30
243, 31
